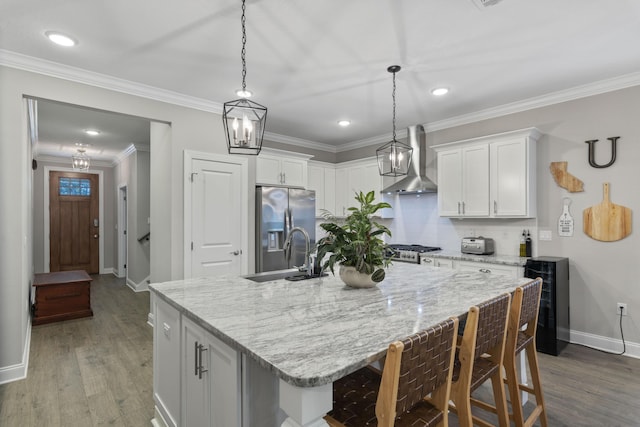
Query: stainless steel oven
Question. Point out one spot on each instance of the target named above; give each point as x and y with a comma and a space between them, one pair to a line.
409, 253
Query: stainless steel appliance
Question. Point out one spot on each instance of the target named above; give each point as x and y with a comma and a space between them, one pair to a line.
477, 245
278, 210
409, 253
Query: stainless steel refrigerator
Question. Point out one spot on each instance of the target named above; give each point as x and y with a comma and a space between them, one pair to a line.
278, 210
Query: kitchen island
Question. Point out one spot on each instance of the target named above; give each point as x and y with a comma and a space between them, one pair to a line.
304, 335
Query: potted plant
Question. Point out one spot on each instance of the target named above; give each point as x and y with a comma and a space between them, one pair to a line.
355, 243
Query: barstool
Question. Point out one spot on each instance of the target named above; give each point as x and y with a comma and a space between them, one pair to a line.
479, 358
415, 367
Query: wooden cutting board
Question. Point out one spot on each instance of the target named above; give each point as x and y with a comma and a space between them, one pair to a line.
607, 221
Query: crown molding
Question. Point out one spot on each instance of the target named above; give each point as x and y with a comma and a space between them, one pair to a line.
66, 160
53, 69
275, 137
577, 92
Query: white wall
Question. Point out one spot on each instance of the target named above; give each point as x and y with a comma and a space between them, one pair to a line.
189, 129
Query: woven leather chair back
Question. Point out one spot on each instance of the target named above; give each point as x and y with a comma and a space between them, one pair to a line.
424, 364
492, 316
530, 302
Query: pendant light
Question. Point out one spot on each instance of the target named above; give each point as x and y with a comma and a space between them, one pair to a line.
244, 120
80, 161
394, 157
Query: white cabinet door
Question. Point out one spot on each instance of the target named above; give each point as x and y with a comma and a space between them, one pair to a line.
488, 268
294, 172
322, 179
268, 170
475, 181
343, 192
195, 378
463, 181
211, 394
281, 170
450, 183
488, 177
511, 187
166, 361
436, 262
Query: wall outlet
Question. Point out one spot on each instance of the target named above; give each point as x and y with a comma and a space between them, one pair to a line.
623, 306
544, 235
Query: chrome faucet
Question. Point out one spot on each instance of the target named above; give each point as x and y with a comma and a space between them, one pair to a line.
308, 267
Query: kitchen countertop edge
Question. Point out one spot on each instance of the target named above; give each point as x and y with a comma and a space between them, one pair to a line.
490, 259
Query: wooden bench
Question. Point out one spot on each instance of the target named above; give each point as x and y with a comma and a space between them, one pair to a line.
62, 295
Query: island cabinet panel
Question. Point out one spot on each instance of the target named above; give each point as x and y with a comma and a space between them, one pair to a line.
166, 362
211, 379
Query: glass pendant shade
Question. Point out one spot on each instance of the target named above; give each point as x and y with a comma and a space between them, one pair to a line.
394, 158
80, 161
244, 123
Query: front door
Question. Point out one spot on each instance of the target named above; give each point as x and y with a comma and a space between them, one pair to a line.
216, 218
74, 222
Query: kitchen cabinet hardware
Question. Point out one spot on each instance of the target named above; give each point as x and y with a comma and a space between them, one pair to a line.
236, 252
463, 208
201, 370
495, 206
427, 260
195, 353
459, 208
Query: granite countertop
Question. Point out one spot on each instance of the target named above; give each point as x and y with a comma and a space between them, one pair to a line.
491, 259
313, 332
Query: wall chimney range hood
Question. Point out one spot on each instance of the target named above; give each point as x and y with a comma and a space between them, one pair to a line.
416, 181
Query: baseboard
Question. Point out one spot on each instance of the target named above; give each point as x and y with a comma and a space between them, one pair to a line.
18, 372
599, 342
139, 287
158, 419
109, 270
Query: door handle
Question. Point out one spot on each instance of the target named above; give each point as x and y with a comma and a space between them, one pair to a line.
236, 252
95, 236
484, 270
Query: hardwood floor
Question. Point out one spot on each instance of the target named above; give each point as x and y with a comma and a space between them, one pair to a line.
88, 372
98, 371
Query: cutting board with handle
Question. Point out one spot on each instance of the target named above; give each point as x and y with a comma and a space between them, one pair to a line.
607, 221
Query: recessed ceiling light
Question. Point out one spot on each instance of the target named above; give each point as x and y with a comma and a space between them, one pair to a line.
244, 93
439, 91
60, 39
344, 123
92, 132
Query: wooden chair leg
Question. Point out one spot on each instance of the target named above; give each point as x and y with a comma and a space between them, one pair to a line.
532, 359
513, 382
497, 382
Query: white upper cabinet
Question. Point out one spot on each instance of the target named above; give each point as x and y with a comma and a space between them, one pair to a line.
322, 179
277, 167
488, 177
353, 177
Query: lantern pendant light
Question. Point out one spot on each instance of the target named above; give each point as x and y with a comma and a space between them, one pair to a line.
394, 157
244, 120
80, 161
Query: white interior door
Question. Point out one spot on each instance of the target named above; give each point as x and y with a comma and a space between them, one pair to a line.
217, 213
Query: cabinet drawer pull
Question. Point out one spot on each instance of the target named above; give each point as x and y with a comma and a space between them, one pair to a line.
484, 270
427, 261
201, 369
195, 352
458, 208
463, 209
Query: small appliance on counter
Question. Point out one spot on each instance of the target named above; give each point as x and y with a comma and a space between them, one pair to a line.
477, 245
409, 253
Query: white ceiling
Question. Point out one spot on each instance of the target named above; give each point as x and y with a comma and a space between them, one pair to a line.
315, 62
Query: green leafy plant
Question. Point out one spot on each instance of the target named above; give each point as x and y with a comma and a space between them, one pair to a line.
357, 242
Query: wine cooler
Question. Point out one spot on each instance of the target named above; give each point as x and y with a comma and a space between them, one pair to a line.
553, 319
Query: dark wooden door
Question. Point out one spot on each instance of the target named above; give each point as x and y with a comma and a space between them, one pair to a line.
74, 222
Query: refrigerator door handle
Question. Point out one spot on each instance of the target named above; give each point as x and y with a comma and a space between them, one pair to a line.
291, 224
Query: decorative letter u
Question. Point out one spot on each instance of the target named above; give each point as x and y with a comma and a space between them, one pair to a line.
592, 161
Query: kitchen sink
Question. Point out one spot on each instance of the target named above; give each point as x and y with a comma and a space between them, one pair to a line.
291, 274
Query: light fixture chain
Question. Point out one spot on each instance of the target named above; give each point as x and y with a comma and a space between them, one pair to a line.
243, 52
394, 106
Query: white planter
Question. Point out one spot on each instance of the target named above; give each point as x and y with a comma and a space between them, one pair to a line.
352, 277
